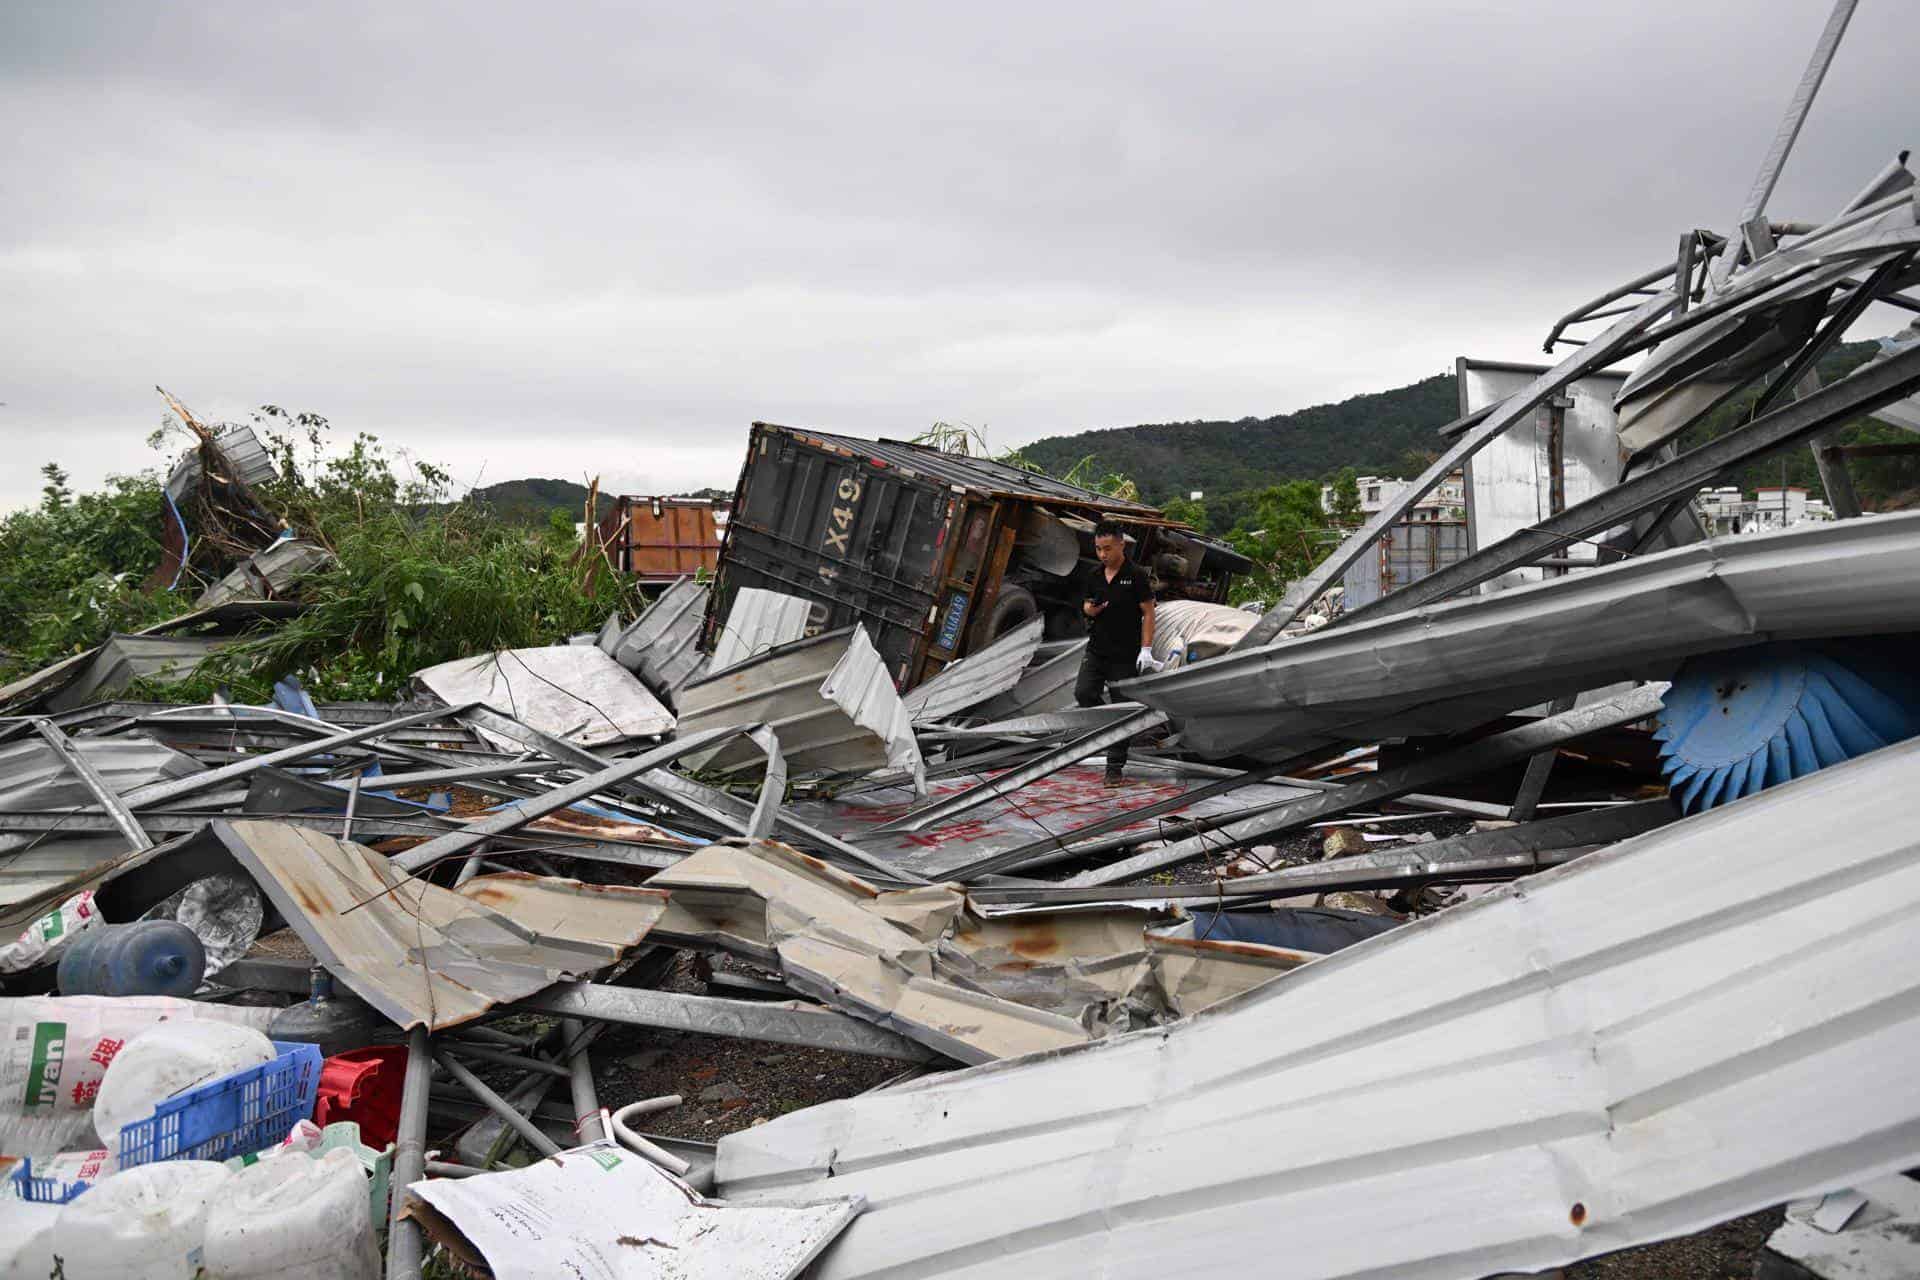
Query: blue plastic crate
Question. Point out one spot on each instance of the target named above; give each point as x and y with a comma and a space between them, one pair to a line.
44, 1190
235, 1115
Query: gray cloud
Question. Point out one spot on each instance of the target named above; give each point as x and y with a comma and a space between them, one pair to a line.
568, 239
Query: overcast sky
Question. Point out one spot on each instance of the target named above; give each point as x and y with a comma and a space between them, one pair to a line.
564, 239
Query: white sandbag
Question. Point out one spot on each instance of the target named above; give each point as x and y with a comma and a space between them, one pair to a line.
146, 1223
43, 941
294, 1216
167, 1060
59, 1051
26, 1238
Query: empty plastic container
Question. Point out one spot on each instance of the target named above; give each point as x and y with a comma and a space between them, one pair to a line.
147, 958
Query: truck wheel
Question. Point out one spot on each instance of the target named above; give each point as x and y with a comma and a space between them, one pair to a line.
1013, 606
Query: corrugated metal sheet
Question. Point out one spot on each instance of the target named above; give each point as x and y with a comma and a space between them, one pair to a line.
246, 457
922, 963
33, 776
1045, 686
860, 686
268, 574
1454, 665
758, 621
414, 951
1694, 1025
124, 659
785, 690
978, 676
571, 691
980, 475
658, 647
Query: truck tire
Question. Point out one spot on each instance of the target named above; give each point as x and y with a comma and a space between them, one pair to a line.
1013, 606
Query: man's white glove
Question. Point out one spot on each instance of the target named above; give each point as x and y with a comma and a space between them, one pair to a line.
1145, 663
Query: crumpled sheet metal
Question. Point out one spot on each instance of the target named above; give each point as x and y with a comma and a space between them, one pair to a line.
977, 677
1450, 666
757, 621
659, 646
569, 911
1068, 799
416, 952
1695, 1024
1046, 685
827, 698
34, 777
268, 574
920, 962
1784, 291
574, 692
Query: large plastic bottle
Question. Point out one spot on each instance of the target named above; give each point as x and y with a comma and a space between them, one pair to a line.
144, 1223
170, 1059
146, 958
292, 1215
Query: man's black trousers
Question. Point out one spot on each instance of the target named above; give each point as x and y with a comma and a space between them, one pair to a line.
1090, 688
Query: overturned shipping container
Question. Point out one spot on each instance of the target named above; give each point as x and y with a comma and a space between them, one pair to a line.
935, 553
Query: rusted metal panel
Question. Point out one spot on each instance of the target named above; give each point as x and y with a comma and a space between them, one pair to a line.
418, 953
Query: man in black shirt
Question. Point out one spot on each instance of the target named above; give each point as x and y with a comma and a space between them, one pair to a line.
1117, 600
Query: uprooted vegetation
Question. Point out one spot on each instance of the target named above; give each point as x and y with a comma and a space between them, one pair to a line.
415, 579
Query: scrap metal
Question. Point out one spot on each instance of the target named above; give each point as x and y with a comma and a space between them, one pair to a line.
1567, 1067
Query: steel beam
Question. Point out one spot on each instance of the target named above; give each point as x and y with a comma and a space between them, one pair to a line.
1486, 753
158, 793
1789, 130
788, 1023
1054, 761
77, 761
1861, 392
406, 1249
522, 812
1600, 351
1477, 857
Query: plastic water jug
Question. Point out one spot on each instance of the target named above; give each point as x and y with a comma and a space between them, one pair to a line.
147, 958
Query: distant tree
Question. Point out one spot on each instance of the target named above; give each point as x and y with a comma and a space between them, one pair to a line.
1290, 536
560, 521
1187, 511
1346, 498
55, 494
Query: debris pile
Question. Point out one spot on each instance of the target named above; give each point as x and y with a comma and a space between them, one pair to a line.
290, 988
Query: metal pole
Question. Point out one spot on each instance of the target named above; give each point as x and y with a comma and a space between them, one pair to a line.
1602, 350
498, 1105
1859, 393
122, 816
525, 811
172, 789
1051, 763
1489, 752
588, 1120
406, 1250
1789, 130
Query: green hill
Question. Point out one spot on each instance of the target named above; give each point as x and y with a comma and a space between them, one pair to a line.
1371, 432
530, 501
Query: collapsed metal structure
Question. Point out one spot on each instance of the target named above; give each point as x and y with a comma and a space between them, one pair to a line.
1671, 1019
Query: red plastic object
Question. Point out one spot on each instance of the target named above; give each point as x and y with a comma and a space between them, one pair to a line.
363, 1085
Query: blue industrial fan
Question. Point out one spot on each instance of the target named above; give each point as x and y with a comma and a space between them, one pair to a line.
1739, 722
